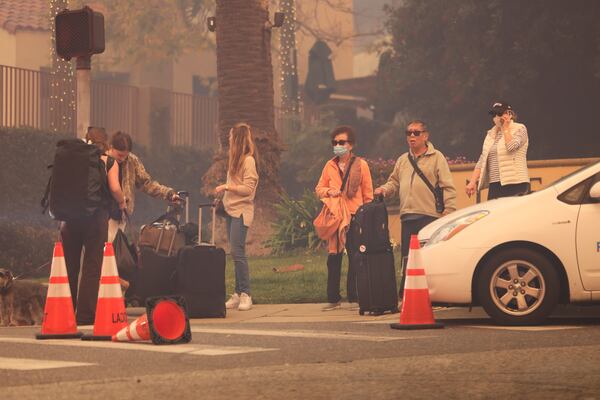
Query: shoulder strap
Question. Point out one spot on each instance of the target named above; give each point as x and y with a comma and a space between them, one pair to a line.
109, 162
347, 173
45, 203
420, 173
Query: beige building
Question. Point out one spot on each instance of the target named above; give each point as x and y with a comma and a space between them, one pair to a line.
24, 34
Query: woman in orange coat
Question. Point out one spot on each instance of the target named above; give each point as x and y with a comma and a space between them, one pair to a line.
357, 191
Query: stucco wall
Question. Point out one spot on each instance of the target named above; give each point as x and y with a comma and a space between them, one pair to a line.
8, 54
33, 49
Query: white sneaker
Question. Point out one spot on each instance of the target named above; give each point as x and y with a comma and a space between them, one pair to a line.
245, 302
233, 302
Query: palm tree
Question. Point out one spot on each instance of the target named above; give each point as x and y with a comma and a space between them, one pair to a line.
245, 85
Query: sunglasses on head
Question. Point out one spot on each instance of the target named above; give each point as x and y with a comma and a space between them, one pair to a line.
340, 142
414, 133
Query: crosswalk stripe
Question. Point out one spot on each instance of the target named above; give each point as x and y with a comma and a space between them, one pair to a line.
524, 328
301, 334
192, 349
28, 364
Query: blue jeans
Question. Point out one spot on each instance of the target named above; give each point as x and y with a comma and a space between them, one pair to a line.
236, 233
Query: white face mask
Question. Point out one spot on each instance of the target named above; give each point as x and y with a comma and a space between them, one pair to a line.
339, 150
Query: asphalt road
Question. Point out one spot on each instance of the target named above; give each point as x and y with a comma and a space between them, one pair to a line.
364, 359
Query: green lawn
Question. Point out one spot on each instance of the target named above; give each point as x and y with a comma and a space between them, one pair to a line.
306, 286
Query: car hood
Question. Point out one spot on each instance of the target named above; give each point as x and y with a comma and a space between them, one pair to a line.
493, 206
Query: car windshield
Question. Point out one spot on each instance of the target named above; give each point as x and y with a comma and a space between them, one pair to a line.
571, 174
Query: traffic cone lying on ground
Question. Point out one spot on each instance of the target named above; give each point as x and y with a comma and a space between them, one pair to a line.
416, 310
59, 316
110, 308
165, 322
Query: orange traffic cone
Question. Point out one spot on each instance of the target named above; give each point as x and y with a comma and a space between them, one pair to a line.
137, 330
416, 310
165, 322
59, 317
110, 308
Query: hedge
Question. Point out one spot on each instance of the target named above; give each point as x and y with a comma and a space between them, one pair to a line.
26, 235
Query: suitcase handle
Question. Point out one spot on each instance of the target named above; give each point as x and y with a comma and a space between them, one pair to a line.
201, 206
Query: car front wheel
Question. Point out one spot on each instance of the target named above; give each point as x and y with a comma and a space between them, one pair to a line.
518, 287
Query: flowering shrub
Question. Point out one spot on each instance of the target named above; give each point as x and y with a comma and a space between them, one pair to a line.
294, 228
458, 160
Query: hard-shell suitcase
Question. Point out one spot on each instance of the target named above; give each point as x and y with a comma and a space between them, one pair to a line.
201, 275
376, 282
374, 259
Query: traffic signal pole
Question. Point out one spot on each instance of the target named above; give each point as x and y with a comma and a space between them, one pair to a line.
84, 94
80, 34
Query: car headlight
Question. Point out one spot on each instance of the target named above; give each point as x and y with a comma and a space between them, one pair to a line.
453, 227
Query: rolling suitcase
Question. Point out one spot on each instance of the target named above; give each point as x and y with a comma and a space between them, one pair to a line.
373, 259
201, 274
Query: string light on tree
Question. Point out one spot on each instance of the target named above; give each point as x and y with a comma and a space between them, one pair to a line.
62, 87
290, 99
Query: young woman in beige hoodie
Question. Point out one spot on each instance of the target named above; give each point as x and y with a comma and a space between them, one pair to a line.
238, 200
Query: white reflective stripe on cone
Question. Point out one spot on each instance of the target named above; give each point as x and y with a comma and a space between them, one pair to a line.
416, 282
132, 331
59, 290
123, 335
110, 290
58, 268
109, 267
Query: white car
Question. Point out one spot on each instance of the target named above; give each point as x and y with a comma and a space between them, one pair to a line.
518, 257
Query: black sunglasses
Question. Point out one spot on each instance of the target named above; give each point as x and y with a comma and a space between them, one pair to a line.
414, 133
340, 142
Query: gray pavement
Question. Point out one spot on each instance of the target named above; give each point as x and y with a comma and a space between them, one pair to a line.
297, 351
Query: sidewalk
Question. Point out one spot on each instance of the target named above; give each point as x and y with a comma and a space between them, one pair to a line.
311, 312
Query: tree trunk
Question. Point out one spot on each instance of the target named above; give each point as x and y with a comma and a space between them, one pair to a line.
245, 86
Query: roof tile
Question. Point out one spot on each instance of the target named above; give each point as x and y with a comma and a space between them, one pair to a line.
24, 15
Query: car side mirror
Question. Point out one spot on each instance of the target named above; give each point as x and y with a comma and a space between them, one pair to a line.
595, 191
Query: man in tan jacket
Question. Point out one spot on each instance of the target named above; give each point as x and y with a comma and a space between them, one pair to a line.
417, 201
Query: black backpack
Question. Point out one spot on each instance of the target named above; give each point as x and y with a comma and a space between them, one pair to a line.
78, 186
369, 227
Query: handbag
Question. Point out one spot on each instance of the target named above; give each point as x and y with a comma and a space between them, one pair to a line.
163, 235
125, 255
327, 222
438, 192
220, 208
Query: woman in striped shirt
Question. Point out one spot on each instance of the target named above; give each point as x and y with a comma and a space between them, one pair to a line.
502, 165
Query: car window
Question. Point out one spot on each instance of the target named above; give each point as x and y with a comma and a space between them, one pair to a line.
573, 173
586, 195
580, 193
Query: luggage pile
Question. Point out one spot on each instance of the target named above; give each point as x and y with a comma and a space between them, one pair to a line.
172, 260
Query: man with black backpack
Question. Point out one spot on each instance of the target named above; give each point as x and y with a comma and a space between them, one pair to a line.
83, 184
424, 183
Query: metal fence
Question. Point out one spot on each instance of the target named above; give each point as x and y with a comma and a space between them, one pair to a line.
115, 107
33, 99
26, 100
194, 121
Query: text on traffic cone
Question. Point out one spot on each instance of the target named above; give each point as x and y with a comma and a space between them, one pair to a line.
110, 308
